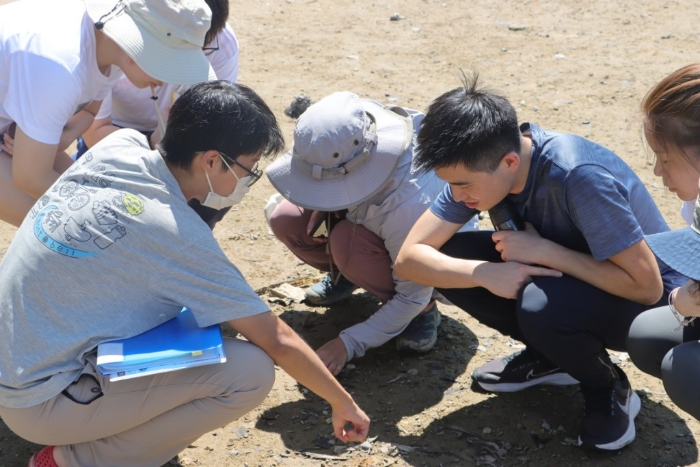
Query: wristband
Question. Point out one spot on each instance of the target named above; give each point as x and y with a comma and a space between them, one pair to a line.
682, 320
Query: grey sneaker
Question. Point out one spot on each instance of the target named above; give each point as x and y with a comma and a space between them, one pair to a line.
326, 293
519, 371
608, 418
421, 333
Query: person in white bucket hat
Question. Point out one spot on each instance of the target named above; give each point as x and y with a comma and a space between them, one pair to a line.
127, 106
354, 154
61, 58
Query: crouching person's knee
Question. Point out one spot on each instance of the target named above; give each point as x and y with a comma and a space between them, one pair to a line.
649, 339
680, 370
535, 311
251, 375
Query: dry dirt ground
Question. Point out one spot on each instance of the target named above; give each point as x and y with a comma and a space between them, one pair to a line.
580, 67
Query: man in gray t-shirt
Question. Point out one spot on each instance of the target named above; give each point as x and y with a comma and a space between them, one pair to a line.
113, 250
568, 286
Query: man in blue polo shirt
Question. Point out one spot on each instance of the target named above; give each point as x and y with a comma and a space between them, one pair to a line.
568, 286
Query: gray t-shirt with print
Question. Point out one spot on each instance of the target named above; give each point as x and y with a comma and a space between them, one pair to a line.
110, 251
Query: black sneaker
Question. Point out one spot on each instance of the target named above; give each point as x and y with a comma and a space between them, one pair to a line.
519, 371
421, 333
326, 293
608, 418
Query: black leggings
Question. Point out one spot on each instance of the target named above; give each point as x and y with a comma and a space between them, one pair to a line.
566, 321
673, 356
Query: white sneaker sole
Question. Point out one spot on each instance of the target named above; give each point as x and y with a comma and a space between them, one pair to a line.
556, 379
628, 437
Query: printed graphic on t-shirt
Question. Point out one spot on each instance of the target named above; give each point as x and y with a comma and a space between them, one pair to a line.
84, 209
131, 203
46, 225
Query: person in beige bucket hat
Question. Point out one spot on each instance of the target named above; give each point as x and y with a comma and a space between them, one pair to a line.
62, 58
164, 37
354, 154
127, 106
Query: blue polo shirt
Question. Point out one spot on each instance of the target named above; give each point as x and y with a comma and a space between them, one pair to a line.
580, 195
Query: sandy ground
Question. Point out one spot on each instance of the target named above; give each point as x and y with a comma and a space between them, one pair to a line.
579, 67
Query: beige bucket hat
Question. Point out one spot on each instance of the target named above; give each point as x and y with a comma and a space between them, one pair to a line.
164, 37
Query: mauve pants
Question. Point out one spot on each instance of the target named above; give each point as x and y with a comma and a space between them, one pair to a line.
360, 256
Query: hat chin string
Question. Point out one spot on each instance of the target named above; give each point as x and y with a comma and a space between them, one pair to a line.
347, 256
109, 15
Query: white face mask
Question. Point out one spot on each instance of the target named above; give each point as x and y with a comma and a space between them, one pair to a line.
216, 201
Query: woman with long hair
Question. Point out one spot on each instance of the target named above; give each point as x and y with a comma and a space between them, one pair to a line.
664, 341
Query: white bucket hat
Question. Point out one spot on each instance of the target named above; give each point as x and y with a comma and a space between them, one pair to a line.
345, 149
164, 37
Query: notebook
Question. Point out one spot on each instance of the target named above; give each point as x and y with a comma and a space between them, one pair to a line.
174, 345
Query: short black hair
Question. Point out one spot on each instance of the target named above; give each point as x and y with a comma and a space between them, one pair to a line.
469, 126
219, 15
221, 116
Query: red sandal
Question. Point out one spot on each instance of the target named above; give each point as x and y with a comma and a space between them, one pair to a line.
43, 458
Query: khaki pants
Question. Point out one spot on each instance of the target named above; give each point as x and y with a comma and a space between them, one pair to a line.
146, 421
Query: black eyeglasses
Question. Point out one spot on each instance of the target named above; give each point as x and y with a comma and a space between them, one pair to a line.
255, 173
210, 50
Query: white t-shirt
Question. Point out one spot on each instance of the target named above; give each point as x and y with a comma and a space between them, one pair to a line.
131, 107
48, 66
687, 211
